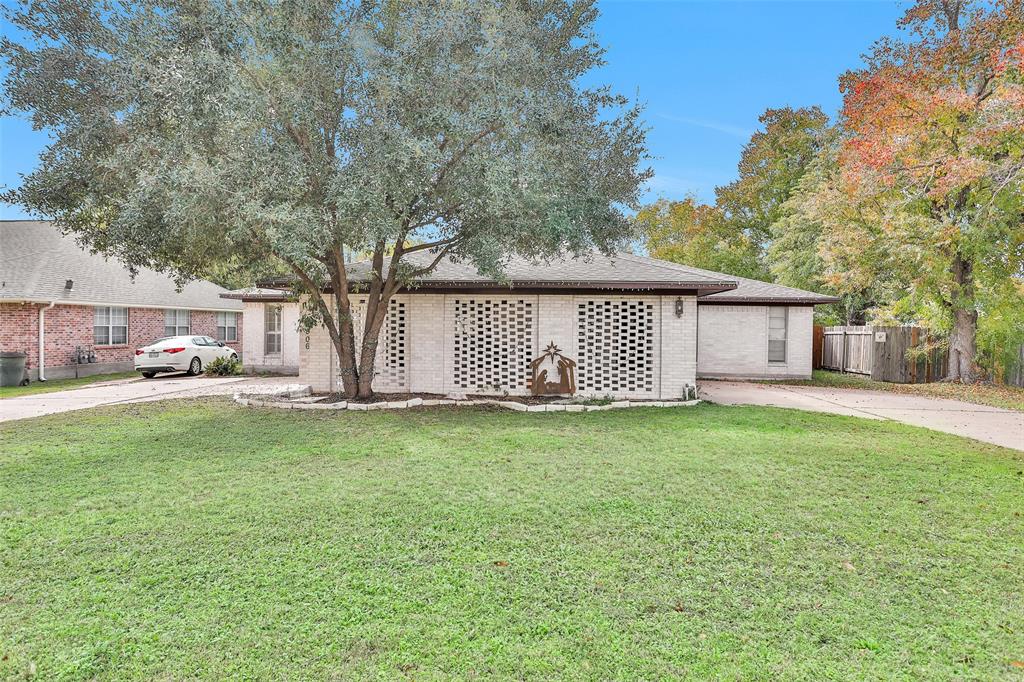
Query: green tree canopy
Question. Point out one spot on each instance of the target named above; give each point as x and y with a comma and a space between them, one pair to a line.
696, 234
810, 248
190, 134
935, 141
772, 163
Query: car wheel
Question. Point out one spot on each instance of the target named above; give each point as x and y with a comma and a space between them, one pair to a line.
234, 357
195, 367
148, 375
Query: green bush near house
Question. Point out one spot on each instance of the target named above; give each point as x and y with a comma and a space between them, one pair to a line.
223, 367
197, 539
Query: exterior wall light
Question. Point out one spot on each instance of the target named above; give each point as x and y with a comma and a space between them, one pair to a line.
680, 307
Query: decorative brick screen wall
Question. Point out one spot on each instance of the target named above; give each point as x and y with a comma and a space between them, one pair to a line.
391, 366
493, 343
641, 346
391, 354
616, 346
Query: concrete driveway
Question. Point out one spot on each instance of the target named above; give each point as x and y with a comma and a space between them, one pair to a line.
127, 391
988, 424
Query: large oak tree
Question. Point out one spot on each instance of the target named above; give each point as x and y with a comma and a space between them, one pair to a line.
186, 135
935, 144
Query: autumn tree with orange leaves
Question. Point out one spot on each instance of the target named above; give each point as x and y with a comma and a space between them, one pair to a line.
935, 146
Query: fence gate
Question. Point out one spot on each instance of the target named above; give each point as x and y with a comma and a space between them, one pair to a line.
848, 349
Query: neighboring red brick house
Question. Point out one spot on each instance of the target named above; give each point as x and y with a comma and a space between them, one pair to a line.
94, 314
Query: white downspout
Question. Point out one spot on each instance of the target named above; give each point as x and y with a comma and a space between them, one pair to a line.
42, 337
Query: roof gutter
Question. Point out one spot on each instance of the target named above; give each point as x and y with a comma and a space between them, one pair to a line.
42, 340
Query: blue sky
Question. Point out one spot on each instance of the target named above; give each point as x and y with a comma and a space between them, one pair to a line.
704, 70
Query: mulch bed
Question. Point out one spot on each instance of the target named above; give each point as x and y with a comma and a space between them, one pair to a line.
379, 397
522, 399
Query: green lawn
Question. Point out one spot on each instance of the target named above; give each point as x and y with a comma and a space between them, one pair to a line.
60, 384
205, 540
1007, 397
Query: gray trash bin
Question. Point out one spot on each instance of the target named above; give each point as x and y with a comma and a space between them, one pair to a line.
12, 368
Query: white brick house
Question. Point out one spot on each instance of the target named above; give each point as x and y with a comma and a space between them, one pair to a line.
635, 327
271, 330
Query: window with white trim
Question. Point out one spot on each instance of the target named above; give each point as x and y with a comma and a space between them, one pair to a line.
272, 330
777, 331
227, 326
109, 326
177, 322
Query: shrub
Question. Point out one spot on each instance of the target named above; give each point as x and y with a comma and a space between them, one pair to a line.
223, 367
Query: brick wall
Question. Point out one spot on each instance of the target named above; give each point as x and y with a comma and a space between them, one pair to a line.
678, 347
431, 348
317, 358
69, 326
18, 329
287, 361
733, 342
425, 353
204, 323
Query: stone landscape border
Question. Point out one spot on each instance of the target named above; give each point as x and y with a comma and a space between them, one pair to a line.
292, 398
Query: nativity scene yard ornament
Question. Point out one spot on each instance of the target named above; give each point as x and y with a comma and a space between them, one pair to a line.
553, 373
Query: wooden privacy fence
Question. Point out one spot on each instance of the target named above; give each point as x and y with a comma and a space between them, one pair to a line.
1015, 375
882, 353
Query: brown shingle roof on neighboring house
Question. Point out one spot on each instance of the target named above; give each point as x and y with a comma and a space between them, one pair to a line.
36, 261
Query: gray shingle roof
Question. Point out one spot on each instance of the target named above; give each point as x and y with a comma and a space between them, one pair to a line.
622, 271
755, 291
593, 270
36, 260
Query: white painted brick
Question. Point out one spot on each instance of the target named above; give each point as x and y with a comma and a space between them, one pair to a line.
713, 340
733, 342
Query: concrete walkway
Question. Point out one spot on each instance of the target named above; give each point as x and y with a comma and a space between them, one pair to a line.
988, 424
128, 391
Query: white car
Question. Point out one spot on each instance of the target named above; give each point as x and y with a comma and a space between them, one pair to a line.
180, 354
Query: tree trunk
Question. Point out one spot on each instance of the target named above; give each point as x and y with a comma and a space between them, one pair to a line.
356, 370
963, 347
368, 351
345, 348
963, 340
